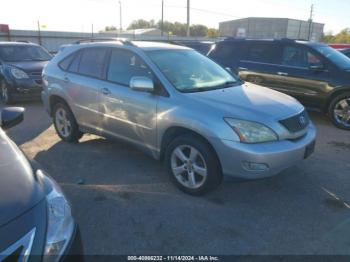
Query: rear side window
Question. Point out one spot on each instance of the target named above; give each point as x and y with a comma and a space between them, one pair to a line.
65, 63
92, 62
260, 52
124, 65
74, 65
227, 51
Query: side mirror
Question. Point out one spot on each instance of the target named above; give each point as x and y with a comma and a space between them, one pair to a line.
11, 117
142, 83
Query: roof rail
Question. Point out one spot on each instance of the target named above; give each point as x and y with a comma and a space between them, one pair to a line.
23, 41
124, 41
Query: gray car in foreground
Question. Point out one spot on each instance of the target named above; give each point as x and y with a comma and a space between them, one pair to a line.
35, 217
180, 107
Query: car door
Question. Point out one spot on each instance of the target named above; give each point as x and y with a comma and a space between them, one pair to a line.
259, 63
304, 74
83, 85
128, 114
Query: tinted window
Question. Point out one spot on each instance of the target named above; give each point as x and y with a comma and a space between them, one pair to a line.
74, 66
226, 51
299, 56
124, 65
64, 64
260, 52
92, 62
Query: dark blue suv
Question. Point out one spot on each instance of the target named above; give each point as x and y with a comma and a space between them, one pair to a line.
21, 65
314, 73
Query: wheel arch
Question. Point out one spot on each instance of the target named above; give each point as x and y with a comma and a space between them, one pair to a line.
176, 131
54, 99
333, 95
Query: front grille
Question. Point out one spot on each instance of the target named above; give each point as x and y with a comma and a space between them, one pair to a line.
296, 123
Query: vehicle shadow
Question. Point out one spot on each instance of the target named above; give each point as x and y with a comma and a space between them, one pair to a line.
36, 121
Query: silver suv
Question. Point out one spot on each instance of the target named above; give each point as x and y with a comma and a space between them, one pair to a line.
180, 107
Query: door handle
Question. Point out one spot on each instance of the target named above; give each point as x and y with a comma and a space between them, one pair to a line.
105, 91
282, 74
242, 68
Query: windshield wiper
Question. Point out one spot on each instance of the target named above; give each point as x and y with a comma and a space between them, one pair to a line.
227, 84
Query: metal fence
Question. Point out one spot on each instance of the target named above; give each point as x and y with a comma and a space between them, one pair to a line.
52, 40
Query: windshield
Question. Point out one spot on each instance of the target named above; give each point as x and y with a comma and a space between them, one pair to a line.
341, 60
18, 53
190, 71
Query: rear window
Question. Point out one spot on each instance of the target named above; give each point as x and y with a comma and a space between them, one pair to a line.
92, 62
226, 52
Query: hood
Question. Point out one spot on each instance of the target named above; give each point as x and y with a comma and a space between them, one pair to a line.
252, 102
19, 189
29, 66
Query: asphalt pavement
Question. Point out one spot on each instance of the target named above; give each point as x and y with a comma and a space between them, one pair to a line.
125, 204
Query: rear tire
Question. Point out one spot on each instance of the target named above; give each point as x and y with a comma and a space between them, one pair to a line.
65, 124
6, 96
192, 165
339, 111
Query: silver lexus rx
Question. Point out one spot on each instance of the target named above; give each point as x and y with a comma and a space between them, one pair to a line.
180, 107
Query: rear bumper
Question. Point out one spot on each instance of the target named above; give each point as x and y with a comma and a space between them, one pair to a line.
241, 160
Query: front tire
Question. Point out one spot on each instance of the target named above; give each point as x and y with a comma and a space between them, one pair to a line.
339, 111
192, 165
6, 95
65, 123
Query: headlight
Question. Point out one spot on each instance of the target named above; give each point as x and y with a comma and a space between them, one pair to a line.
252, 132
60, 225
18, 74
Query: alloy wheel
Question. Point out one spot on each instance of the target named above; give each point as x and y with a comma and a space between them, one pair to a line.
63, 124
342, 112
188, 166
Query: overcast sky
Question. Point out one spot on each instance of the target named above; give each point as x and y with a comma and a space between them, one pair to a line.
78, 15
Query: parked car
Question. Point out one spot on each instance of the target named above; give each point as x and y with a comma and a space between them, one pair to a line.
21, 66
316, 74
35, 216
180, 107
345, 52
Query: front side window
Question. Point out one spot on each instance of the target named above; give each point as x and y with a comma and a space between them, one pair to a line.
92, 62
18, 53
299, 57
189, 71
124, 65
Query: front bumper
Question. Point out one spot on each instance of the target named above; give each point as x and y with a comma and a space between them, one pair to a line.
275, 156
74, 250
23, 90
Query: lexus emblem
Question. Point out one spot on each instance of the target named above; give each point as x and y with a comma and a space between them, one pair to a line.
302, 120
